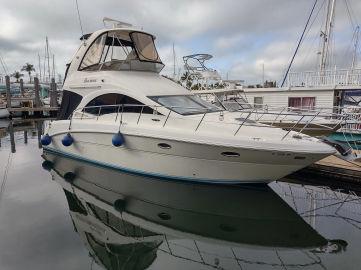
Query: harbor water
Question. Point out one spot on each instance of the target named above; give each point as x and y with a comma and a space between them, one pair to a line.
61, 213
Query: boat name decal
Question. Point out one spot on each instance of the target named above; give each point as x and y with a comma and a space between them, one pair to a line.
86, 80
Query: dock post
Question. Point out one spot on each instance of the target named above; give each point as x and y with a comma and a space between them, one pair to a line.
12, 137
39, 129
37, 92
25, 137
37, 95
8, 93
22, 87
53, 96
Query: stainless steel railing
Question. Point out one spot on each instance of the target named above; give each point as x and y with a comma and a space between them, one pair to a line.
253, 116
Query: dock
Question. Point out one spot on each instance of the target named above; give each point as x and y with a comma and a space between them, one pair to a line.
32, 104
331, 171
33, 109
337, 168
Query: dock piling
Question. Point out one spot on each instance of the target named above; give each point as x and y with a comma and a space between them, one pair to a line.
37, 96
8, 93
53, 94
22, 92
37, 92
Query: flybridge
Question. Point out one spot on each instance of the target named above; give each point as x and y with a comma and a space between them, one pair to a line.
118, 49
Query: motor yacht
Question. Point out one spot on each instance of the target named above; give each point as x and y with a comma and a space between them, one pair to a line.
117, 111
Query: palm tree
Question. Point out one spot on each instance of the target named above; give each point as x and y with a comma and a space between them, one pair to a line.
17, 75
28, 68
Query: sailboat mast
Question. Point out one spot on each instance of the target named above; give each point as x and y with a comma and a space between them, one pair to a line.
354, 56
39, 63
53, 73
173, 62
48, 57
326, 34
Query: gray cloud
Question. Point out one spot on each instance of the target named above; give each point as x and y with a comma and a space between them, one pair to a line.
240, 34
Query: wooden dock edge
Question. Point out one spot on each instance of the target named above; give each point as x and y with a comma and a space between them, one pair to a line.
332, 169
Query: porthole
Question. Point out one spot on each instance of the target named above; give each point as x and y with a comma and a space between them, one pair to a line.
164, 146
155, 120
230, 154
164, 216
298, 157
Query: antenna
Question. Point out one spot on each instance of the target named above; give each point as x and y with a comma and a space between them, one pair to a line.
81, 26
115, 23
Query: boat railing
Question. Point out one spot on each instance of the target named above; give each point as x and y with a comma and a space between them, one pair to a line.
248, 117
333, 77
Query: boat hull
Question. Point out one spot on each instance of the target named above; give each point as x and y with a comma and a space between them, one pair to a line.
353, 139
4, 113
183, 161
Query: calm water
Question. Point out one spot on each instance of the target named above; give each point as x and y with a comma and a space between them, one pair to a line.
65, 214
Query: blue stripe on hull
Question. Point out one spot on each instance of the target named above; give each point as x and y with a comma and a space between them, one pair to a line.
147, 174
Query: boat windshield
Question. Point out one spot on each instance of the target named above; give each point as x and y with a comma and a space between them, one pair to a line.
122, 50
186, 104
234, 104
144, 45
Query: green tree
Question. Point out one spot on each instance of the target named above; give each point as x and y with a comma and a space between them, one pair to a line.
17, 75
28, 68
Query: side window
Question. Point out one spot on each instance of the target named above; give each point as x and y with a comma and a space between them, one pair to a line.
258, 102
108, 103
94, 54
296, 103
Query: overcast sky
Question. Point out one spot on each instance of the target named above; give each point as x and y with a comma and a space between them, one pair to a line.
240, 34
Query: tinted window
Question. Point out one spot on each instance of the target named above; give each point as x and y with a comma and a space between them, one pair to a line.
186, 104
69, 103
109, 103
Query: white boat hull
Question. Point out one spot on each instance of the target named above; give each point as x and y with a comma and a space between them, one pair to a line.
185, 161
4, 113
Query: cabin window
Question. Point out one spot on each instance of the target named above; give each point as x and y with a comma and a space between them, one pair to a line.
69, 103
258, 102
109, 103
186, 104
307, 103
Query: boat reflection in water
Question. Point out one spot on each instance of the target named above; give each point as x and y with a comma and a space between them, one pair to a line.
131, 222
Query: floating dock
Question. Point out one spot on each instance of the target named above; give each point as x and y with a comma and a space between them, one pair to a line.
331, 171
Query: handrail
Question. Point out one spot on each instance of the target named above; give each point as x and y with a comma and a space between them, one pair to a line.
337, 120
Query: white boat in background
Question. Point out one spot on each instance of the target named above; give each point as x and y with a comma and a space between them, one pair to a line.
4, 113
231, 96
117, 111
